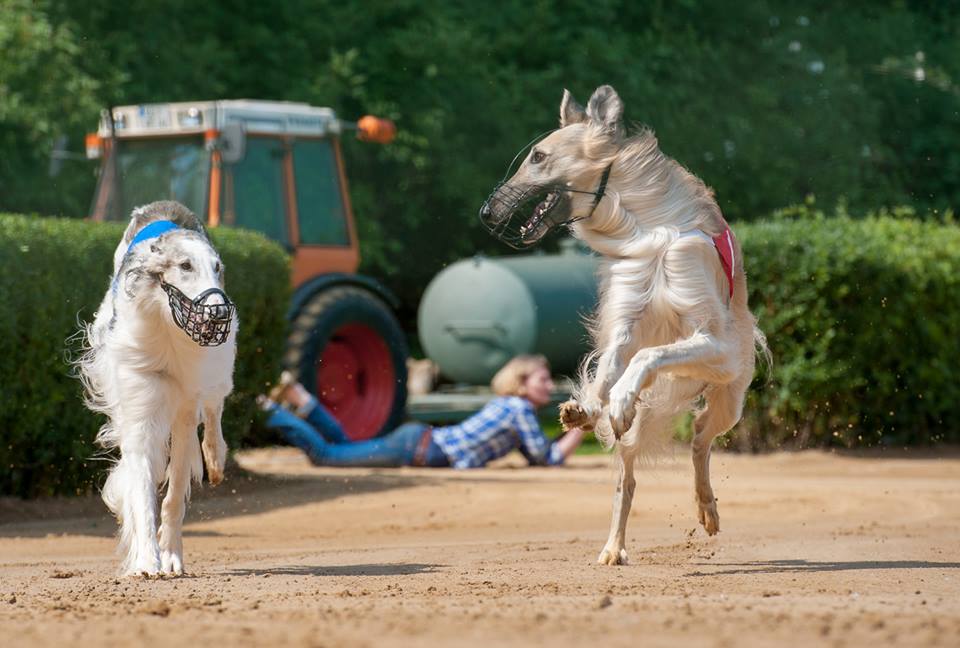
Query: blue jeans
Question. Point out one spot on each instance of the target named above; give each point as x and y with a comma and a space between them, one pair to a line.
320, 436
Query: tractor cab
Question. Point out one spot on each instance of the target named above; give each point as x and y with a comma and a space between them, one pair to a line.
274, 167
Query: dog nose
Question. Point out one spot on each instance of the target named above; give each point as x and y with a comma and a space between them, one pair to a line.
217, 307
486, 212
220, 311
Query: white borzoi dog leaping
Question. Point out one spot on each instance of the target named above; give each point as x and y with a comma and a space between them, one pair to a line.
672, 324
158, 361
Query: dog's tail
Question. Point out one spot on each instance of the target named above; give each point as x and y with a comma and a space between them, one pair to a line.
762, 350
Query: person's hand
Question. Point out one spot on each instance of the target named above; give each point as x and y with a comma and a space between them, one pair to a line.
570, 440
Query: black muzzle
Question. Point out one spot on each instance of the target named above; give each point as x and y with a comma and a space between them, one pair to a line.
206, 324
521, 217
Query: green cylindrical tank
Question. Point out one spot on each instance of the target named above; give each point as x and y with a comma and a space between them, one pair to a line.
480, 312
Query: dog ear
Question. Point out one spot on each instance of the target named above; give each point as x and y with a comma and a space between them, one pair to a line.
605, 108
154, 261
570, 111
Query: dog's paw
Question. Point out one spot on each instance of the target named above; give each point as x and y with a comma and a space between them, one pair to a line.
145, 567
575, 415
709, 517
171, 563
612, 556
215, 459
622, 409
214, 474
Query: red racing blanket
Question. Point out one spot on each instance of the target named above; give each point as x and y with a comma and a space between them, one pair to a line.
725, 248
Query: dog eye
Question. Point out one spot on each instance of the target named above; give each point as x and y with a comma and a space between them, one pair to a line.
538, 157
186, 266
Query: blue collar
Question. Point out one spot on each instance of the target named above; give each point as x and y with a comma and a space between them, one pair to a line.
153, 230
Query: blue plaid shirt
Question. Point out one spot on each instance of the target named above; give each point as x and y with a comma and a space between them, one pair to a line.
505, 423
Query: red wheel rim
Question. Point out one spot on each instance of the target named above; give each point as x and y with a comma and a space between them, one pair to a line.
355, 380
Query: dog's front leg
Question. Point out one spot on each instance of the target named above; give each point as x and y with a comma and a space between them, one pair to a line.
615, 552
131, 492
214, 447
584, 411
184, 463
623, 396
701, 357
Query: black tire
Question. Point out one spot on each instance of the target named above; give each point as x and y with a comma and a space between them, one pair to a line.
324, 323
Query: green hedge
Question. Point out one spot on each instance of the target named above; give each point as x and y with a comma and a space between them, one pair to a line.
861, 316
54, 273
862, 319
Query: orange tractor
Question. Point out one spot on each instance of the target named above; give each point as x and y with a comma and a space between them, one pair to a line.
277, 168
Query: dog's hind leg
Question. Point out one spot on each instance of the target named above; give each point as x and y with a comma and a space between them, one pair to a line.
184, 464
724, 405
214, 447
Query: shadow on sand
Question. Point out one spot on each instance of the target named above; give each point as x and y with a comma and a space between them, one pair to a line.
808, 566
390, 569
243, 493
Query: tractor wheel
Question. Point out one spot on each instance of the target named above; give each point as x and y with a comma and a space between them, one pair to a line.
346, 347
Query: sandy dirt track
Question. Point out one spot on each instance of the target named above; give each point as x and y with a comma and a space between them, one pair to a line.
815, 549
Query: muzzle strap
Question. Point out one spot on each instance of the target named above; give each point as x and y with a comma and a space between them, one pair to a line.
601, 189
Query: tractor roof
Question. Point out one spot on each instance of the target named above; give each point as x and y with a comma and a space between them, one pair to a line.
263, 117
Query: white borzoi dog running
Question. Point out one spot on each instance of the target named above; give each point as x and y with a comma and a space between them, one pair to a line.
672, 326
158, 360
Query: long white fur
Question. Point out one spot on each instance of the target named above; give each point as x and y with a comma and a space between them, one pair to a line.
156, 385
665, 332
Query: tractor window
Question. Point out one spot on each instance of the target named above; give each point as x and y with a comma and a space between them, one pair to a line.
320, 207
253, 190
162, 169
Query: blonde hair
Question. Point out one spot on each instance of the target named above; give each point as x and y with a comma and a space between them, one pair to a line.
512, 377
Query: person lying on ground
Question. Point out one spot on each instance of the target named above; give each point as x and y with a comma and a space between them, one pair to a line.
507, 422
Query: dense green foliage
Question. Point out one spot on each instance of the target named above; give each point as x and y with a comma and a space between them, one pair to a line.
861, 318
767, 100
55, 272
45, 94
